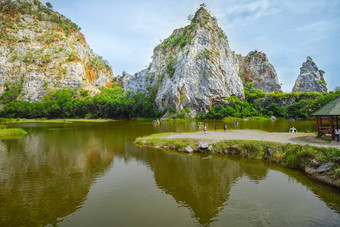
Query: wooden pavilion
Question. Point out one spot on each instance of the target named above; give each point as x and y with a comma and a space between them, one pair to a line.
328, 118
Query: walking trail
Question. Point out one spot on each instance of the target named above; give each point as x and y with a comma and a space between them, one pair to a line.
281, 137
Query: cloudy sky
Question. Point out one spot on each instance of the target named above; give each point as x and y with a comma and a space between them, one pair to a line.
125, 32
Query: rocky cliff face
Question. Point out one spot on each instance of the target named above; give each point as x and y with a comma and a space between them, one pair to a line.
256, 68
310, 78
193, 68
41, 50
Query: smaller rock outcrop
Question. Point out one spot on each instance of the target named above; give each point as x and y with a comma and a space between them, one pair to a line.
310, 78
256, 68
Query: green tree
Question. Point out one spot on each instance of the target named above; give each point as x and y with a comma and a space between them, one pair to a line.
49, 5
11, 93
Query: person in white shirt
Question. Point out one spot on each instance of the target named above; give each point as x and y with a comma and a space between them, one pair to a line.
337, 133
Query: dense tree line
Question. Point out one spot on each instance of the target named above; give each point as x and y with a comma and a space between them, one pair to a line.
111, 102
259, 104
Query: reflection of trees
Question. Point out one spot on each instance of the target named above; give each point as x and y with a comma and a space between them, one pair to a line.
202, 185
47, 176
329, 195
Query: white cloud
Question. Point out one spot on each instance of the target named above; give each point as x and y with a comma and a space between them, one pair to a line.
244, 13
319, 26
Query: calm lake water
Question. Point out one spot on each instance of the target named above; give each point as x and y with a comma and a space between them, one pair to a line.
91, 174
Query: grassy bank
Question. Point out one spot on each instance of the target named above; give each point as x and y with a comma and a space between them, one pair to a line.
11, 133
20, 120
304, 157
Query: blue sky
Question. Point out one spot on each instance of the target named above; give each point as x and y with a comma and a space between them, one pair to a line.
125, 32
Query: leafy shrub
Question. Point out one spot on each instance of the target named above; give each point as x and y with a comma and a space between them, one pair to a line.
170, 68
11, 93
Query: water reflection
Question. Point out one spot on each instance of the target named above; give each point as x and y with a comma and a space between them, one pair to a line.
48, 175
204, 184
200, 183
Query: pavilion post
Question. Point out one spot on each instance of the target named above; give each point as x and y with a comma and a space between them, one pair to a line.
332, 128
318, 124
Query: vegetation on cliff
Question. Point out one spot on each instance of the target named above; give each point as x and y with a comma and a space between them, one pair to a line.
42, 50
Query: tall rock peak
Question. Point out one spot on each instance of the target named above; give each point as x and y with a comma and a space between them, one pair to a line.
41, 50
310, 78
255, 68
201, 15
193, 68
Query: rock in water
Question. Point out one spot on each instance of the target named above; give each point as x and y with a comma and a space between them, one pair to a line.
41, 50
193, 68
310, 78
256, 68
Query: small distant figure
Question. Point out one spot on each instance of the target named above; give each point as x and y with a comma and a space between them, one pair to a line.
293, 130
337, 133
236, 123
156, 122
215, 127
225, 127
205, 129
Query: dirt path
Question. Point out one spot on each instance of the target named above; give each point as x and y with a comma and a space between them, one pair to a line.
281, 137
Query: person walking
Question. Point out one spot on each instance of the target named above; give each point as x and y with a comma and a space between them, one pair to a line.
337, 133
205, 129
225, 127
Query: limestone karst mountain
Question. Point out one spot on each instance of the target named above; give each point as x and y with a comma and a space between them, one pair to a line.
41, 50
255, 68
310, 78
193, 68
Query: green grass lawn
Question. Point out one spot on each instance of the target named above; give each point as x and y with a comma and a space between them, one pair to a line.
11, 133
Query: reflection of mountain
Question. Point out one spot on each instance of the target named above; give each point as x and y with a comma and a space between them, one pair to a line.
47, 176
202, 185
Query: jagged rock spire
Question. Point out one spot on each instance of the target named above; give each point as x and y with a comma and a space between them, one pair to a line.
255, 68
201, 15
310, 78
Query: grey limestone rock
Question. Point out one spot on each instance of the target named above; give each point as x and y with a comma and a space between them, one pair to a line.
203, 145
193, 68
41, 55
256, 68
310, 78
270, 151
189, 149
324, 167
